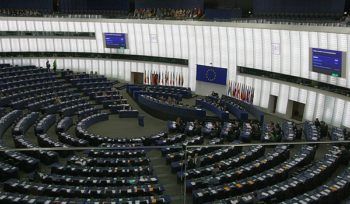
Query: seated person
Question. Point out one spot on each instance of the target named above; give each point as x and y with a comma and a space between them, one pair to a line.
57, 100
197, 127
179, 124
214, 94
317, 123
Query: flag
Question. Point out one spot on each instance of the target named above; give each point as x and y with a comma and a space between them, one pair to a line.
172, 79
252, 97
175, 77
149, 77
182, 80
229, 88
161, 78
244, 92
166, 78
169, 83
233, 89
247, 94
158, 78
210, 74
240, 91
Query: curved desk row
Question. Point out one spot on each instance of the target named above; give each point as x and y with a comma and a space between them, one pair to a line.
181, 91
185, 92
170, 112
223, 115
259, 115
157, 94
240, 114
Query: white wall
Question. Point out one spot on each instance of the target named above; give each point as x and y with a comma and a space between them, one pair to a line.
279, 49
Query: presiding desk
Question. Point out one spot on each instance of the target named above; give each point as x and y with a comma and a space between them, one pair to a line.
169, 111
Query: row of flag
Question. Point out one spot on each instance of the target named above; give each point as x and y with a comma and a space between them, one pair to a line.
163, 78
241, 91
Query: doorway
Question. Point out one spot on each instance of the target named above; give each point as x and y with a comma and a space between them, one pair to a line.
137, 77
272, 104
297, 111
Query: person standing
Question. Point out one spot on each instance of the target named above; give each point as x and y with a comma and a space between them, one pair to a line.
48, 65
54, 66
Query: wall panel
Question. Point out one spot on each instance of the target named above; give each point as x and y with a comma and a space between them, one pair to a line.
309, 110
191, 35
346, 115
295, 49
282, 100
275, 88
320, 106
240, 43
249, 47
293, 93
138, 38
223, 40
215, 45
278, 50
175, 30
265, 94
328, 109
207, 40
258, 48
146, 39
257, 91
322, 43
153, 39
4, 26
304, 55
232, 53
313, 43
12, 25
343, 46
169, 44
338, 112
184, 42
267, 54
161, 41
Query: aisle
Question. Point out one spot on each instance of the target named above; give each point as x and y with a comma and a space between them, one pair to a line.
167, 179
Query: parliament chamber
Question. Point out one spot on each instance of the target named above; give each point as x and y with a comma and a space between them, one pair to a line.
174, 101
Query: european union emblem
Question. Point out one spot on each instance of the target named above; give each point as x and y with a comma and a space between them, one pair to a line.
209, 74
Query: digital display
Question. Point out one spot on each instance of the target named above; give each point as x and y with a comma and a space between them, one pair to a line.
328, 62
115, 40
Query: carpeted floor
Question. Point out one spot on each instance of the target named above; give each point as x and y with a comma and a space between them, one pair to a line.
117, 127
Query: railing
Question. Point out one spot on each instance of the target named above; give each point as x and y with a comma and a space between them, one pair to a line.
185, 148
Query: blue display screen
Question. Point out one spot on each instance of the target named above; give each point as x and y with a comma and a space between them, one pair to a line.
327, 61
115, 40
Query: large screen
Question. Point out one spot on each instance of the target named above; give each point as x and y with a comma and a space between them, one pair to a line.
330, 62
115, 40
